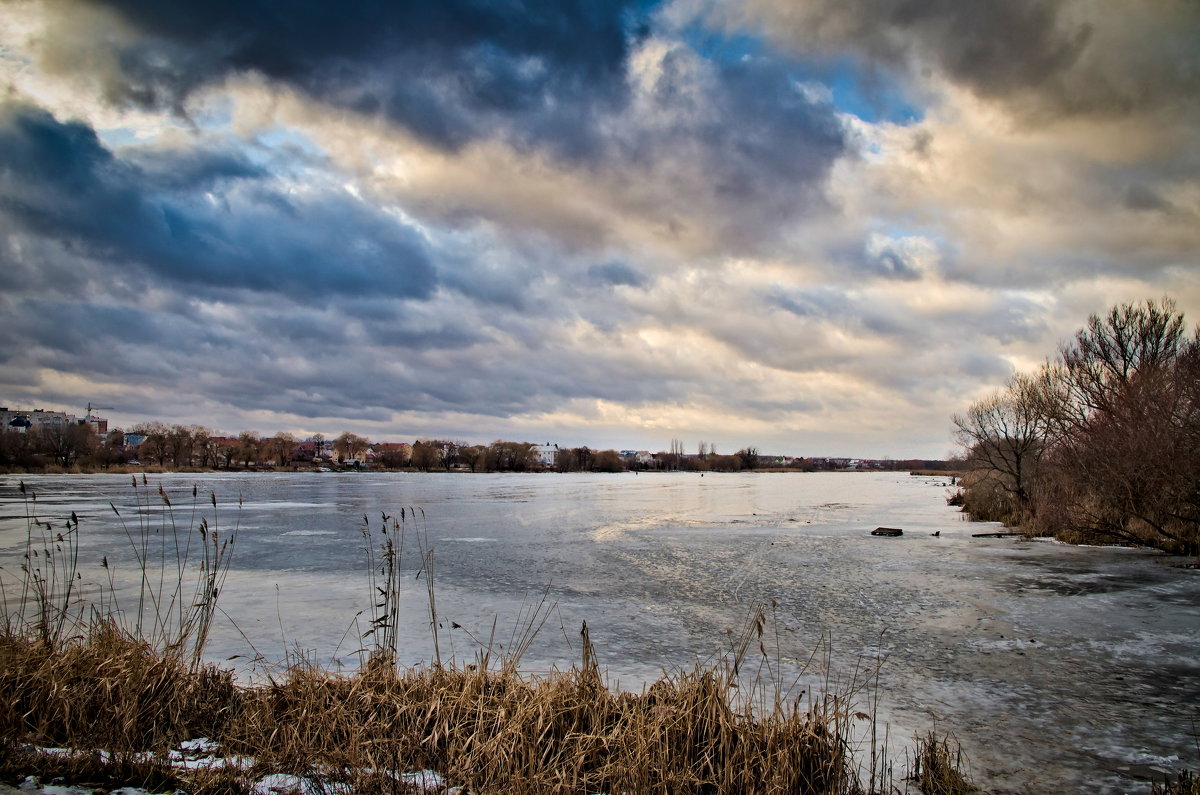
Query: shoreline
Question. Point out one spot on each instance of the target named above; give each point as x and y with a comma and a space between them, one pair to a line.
167, 470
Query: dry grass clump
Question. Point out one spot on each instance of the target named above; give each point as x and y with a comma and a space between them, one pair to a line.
1184, 784
496, 731
984, 496
107, 690
938, 767
489, 731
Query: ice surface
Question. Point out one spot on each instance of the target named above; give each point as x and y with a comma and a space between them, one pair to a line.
1059, 668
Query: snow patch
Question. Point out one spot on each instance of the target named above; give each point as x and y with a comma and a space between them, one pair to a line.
200, 745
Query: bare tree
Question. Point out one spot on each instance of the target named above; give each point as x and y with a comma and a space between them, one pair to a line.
154, 443
248, 448
181, 444
674, 459
1128, 419
205, 447
511, 456
424, 455
349, 446
447, 453
1004, 438
67, 442
748, 456
608, 461
282, 445
474, 456
1102, 444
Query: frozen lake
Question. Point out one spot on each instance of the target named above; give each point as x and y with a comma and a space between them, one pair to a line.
1060, 669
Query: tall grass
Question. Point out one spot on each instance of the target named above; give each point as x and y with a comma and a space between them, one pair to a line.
49, 578
181, 575
121, 679
119, 669
939, 765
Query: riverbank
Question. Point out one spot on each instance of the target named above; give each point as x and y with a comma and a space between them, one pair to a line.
127, 711
166, 469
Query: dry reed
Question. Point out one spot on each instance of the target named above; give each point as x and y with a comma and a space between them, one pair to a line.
938, 767
1185, 783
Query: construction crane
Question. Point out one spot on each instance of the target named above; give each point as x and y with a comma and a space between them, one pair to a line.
91, 408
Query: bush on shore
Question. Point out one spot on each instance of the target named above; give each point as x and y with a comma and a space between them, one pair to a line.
1101, 445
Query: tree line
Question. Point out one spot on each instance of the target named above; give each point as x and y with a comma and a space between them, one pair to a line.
179, 446
1100, 444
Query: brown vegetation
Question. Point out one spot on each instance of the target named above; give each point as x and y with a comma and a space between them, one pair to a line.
1101, 445
938, 767
1184, 784
489, 731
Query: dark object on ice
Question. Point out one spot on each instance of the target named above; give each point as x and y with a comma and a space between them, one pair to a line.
936, 534
996, 535
887, 531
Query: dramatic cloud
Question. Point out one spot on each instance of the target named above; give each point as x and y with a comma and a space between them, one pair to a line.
1046, 57
207, 220
813, 227
451, 72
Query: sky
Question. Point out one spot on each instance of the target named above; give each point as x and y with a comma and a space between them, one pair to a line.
815, 227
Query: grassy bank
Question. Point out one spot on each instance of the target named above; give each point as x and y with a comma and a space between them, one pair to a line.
486, 731
124, 686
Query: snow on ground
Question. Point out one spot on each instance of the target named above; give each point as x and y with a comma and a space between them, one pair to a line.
202, 753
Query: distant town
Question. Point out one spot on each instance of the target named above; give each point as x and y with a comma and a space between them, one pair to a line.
38, 440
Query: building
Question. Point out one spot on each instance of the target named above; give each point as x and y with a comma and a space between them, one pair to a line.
35, 420
391, 454
547, 454
99, 424
638, 457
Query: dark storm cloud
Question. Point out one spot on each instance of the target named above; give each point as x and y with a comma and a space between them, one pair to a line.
487, 282
114, 343
983, 367
738, 149
250, 361
448, 70
90, 330
1009, 319
768, 133
893, 263
819, 303
1045, 55
547, 75
204, 219
1141, 197
995, 48
613, 274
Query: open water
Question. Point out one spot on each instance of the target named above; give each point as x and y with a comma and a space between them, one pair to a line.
1059, 669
